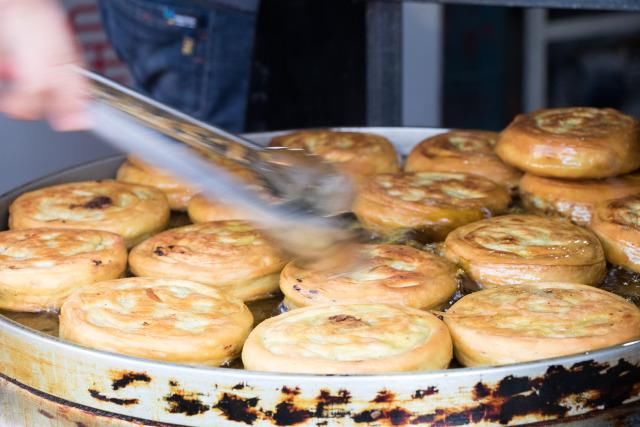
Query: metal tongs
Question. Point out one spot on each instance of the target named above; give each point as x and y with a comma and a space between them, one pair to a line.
308, 193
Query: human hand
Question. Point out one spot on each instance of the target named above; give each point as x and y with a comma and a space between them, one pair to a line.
36, 54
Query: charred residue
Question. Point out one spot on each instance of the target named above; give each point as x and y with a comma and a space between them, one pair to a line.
288, 414
238, 408
98, 202
422, 393
384, 396
395, 416
594, 385
330, 405
294, 391
160, 251
480, 391
183, 402
124, 379
590, 385
115, 400
341, 398
238, 386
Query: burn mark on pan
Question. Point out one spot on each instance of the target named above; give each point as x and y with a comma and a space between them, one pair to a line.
343, 397
384, 396
395, 417
480, 391
65, 405
588, 385
127, 378
182, 402
329, 405
288, 414
238, 386
594, 385
422, 393
116, 400
292, 391
237, 408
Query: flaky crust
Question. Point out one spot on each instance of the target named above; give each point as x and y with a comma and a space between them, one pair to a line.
617, 224
432, 202
516, 249
574, 199
162, 319
206, 209
133, 211
39, 268
203, 209
572, 143
358, 154
467, 151
349, 339
228, 255
521, 323
389, 274
178, 193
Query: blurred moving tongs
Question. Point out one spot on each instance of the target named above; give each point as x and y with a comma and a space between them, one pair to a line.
308, 193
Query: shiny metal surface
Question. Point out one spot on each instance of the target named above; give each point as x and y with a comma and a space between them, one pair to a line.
304, 190
40, 373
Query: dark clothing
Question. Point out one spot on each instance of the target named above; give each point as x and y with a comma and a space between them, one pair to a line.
193, 55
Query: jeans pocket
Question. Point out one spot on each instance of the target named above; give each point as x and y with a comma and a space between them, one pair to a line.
164, 44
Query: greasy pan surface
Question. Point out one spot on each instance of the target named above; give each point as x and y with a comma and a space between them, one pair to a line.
55, 379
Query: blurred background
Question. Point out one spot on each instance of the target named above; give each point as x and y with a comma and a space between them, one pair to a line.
383, 63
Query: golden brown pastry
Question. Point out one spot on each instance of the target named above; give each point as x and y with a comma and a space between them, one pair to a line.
357, 154
467, 151
162, 319
573, 199
135, 172
40, 267
349, 339
228, 255
519, 323
432, 202
617, 224
178, 193
390, 274
133, 211
516, 249
572, 143
206, 209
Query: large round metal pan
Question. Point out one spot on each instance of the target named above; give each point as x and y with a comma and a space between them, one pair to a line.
46, 381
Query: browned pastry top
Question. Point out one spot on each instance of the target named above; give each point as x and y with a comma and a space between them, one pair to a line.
357, 153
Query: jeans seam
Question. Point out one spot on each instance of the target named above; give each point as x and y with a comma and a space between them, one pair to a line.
209, 55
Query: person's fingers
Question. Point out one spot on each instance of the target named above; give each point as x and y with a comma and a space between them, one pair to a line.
42, 85
67, 106
22, 105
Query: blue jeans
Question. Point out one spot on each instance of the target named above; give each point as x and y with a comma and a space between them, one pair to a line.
193, 55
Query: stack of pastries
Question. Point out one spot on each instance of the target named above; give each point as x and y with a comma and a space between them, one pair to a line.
487, 284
